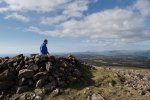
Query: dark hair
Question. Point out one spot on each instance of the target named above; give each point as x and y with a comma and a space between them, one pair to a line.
45, 40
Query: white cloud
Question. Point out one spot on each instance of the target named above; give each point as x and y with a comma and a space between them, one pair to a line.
53, 20
34, 5
47, 5
33, 29
2, 10
18, 17
124, 25
143, 7
75, 9
120, 24
70, 10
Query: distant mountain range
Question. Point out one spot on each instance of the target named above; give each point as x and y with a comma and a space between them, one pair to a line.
145, 53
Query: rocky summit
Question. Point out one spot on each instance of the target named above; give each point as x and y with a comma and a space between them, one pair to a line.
39, 77
22, 74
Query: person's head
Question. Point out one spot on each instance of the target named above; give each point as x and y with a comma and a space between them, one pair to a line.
45, 41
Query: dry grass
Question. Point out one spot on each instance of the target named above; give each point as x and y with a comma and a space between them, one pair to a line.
105, 82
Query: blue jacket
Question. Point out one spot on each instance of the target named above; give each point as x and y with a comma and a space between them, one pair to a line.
43, 49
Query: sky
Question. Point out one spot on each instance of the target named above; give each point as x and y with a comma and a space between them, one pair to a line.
74, 25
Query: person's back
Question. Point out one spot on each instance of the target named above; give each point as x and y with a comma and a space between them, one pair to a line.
43, 48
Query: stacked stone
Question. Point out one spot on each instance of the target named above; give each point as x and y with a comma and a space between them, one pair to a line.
22, 73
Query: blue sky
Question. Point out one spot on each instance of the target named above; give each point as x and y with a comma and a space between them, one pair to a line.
74, 25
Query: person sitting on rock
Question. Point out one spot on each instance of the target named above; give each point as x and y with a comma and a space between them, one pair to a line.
43, 48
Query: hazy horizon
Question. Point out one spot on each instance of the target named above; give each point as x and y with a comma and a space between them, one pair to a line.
77, 52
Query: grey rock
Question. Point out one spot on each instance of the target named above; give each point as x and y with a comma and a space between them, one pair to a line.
70, 56
39, 92
26, 58
88, 98
30, 61
15, 64
37, 60
30, 82
6, 75
49, 87
97, 97
56, 92
33, 67
49, 66
39, 75
22, 97
18, 67
77, 73
52, 59
72, 79
22, 81
40, 83
25, 73
38, 98
20, 55
34, 55
1, 97
62, 83
1, 60
22, 89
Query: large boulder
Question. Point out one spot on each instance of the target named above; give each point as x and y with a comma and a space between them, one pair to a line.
25, 73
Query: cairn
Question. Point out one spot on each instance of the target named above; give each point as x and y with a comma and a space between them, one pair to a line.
22, 73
